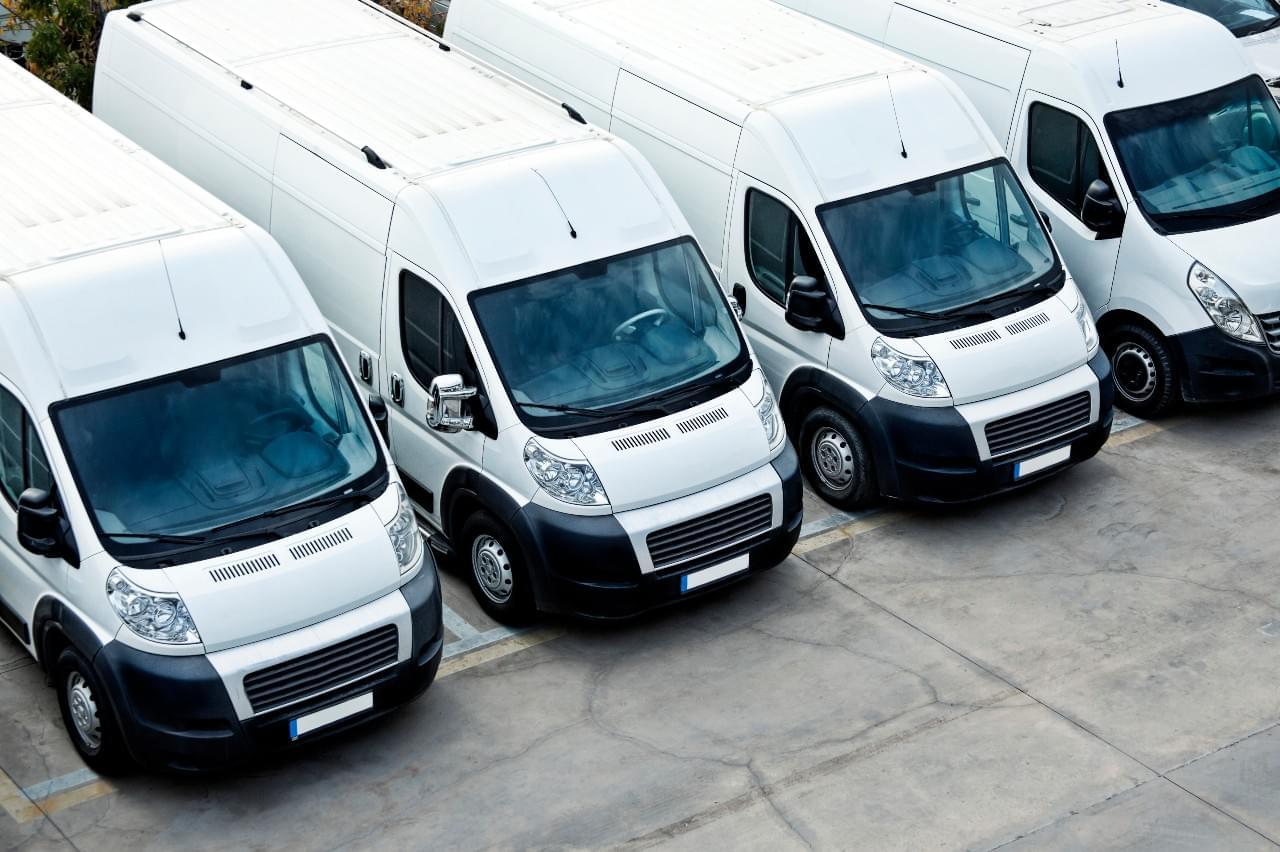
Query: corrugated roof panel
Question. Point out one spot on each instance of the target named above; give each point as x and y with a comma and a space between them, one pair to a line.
72, 189
1064, 20
368, 79
756, 51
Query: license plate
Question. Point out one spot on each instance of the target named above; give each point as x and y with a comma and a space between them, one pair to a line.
697, 579
304, 725
1044, 462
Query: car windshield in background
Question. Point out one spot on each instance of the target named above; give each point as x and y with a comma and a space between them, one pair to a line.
612, 339
211, 447
1242, 17
944, 252
1206, 161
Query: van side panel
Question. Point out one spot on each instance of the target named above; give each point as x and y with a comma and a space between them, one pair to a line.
565, 70
692, 149
334, 229
197, 125
988, 70
863, 16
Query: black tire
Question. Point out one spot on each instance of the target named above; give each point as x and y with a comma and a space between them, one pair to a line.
96, 736
496, 569
1144, 371
836, 460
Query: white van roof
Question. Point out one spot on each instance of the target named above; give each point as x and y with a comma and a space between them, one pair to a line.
754, 52
74, 188
369, 79
1058, 20
106, 254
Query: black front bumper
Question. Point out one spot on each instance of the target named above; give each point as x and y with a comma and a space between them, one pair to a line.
929, 455
175, 714
587, 567
1219, 368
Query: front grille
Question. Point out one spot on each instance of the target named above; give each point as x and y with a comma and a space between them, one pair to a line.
1039, 424
321, 670
710, 533
1271, 330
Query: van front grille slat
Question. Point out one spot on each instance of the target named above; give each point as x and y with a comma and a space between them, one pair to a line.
318, 671
1038, 425
1271, 330
715, 531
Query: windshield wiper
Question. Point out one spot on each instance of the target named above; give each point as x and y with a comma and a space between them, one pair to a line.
157, 538
596, 413
314, 503
928, 315
1025, 290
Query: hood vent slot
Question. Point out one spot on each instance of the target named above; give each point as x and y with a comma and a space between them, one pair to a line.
321, 544
244, 569
990, 336
702, 421
644, 439
1028, 323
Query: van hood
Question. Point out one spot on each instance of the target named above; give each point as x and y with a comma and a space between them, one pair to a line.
1245, 256
681, 454
1009, 354
1264, 52
290, 584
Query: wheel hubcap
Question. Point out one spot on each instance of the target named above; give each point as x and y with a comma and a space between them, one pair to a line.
1135, 371
832, 459
493, 569
84, 711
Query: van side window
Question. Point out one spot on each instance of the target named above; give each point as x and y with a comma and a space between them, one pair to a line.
1063, 156
22, 461
434, 344
778, 249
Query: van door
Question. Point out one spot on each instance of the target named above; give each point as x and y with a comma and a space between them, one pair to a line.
24, 577
769, 245
424, 340
1056, 146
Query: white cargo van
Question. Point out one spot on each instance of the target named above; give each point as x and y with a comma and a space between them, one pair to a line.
573, 403
901, 292
1152, 146
201, 539
1255, 23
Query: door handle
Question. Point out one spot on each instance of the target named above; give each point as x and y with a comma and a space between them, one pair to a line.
1048, 223
740, 298
366, 367
397, 389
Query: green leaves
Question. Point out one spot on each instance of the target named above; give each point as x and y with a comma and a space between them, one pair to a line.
64, 40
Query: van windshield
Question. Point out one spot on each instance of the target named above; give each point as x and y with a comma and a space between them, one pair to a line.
1242, 17
617, 340
1203, 162
944, 252
205, 453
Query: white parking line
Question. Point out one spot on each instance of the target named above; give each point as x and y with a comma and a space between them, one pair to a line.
1124, 422
457, 625
479, 640
71, 780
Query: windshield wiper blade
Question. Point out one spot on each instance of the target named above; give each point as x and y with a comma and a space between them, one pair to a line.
959, 313
314, 503
999, 297
157, 538
596, 413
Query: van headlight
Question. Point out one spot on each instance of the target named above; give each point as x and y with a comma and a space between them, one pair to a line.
571, 481
767, 408
911, 374
160, 617
1088, 327
1225, 308
406, 539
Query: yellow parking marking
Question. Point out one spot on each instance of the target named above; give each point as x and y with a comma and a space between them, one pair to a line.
1137, 433
71, 798
14, 803
857, 528
498, 650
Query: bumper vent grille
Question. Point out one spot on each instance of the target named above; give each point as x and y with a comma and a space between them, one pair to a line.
701, 536
318, 671
1271, 330
1039, 424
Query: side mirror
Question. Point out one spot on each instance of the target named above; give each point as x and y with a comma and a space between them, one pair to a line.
447, 402
39, 523
1101, 210
810, 307
381, 419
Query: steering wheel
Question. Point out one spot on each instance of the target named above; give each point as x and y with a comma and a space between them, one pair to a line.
267, 427
659, 315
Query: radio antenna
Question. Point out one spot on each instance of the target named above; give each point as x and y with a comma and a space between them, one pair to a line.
573, 232
173, 297
897, 122
1119, 67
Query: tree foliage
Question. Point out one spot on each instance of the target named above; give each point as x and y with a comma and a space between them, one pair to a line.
64, 40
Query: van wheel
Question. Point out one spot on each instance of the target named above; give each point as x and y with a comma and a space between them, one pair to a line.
497, 570
836, 460
87, 714
1143, 370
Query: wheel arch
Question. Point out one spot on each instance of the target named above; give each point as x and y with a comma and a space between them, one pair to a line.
56, 626
808, 388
